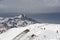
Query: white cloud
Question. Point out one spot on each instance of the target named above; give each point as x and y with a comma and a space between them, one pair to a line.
30, 6
52, 3
3, 6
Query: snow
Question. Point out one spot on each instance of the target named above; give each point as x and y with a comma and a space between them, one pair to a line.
10, 34
38, 31
1, 18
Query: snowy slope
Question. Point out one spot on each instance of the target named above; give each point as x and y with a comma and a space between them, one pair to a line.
43, 31
10, 34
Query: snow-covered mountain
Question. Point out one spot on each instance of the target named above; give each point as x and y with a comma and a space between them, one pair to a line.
24, 28
38, 31
17, 21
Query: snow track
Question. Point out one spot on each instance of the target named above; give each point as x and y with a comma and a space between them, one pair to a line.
21, 34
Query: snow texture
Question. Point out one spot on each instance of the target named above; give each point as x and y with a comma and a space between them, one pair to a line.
38, 31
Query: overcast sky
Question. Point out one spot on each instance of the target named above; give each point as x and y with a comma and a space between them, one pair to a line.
30, 6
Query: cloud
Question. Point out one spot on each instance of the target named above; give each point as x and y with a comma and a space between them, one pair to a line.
0, 0
31, 6
52, 3
2, 6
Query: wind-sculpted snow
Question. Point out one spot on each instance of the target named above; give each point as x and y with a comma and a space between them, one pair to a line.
17, 21
43, 31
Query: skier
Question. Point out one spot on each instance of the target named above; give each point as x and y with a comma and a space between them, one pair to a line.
44, 28
57, 31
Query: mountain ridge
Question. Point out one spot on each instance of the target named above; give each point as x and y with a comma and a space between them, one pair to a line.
17, 21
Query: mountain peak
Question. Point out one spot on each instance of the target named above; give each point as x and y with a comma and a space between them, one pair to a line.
17, 21
20, 16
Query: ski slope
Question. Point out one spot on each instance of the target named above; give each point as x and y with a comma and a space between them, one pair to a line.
10, 34
38, 31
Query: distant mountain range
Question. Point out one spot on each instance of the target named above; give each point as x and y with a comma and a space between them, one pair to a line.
17, 21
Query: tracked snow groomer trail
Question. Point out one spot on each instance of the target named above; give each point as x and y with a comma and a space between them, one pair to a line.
21, 34
14, 33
